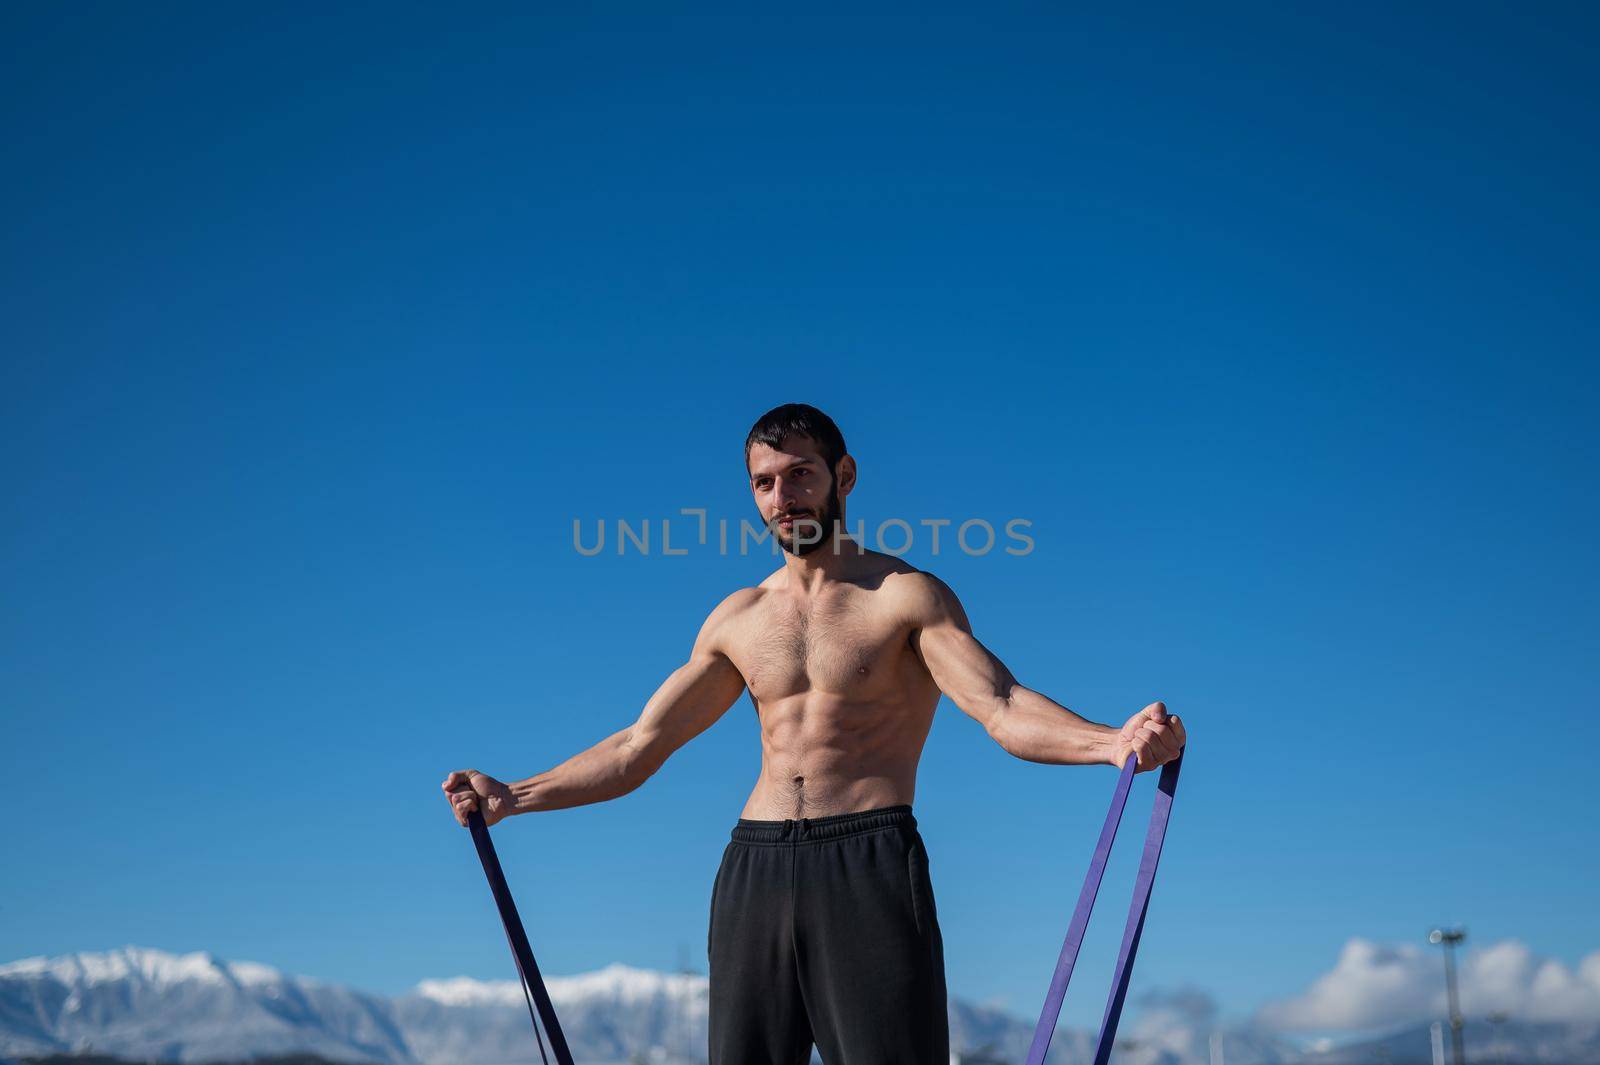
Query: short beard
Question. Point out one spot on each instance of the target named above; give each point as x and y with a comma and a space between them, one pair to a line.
828, 521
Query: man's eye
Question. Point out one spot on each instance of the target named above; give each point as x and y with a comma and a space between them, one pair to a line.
801, 473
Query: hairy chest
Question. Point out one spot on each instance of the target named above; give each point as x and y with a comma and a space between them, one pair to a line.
840, 647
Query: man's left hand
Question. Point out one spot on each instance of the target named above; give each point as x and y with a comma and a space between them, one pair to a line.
1152, 734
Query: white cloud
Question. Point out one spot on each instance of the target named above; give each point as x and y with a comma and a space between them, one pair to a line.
1373, 986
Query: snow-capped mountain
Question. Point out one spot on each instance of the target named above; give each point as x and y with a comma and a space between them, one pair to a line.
618, 1014
147, 1005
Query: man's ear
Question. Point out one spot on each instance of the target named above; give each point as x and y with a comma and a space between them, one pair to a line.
846, 475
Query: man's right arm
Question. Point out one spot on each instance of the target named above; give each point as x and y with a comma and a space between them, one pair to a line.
688, 702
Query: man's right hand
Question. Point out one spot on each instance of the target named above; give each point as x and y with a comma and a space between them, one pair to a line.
468, 790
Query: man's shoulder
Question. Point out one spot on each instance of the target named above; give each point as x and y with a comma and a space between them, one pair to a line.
720, 629
737, 603
917, 593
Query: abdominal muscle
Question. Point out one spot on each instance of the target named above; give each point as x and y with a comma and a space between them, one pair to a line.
822, 754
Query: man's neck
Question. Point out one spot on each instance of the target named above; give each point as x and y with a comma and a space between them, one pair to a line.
834, 560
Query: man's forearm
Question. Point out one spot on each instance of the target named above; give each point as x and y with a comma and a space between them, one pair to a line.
609, 769
1037, 729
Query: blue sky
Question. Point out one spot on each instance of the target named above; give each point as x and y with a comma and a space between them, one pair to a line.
321, 328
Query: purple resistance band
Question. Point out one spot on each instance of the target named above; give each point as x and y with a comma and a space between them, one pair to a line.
533, 989
1165, 789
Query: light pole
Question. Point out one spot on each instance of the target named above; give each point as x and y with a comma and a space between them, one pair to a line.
1448, 938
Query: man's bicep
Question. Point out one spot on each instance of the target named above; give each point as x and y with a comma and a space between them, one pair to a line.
692, 698
963, 668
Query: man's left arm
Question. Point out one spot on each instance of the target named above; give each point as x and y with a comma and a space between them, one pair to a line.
1023, 722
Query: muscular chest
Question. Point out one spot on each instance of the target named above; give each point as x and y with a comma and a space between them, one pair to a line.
838, 647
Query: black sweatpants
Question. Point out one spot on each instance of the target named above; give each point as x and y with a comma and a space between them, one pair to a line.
823, 931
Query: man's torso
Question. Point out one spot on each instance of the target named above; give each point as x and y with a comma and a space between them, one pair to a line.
844, 700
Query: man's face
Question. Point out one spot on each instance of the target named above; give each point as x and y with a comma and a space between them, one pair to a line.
795, 494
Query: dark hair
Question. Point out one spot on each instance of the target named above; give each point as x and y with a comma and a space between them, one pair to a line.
797, 419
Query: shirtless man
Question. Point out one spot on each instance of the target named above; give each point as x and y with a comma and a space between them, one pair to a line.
823, 928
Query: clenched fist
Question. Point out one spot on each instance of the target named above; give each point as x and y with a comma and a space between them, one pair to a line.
469, 790
1152, 734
